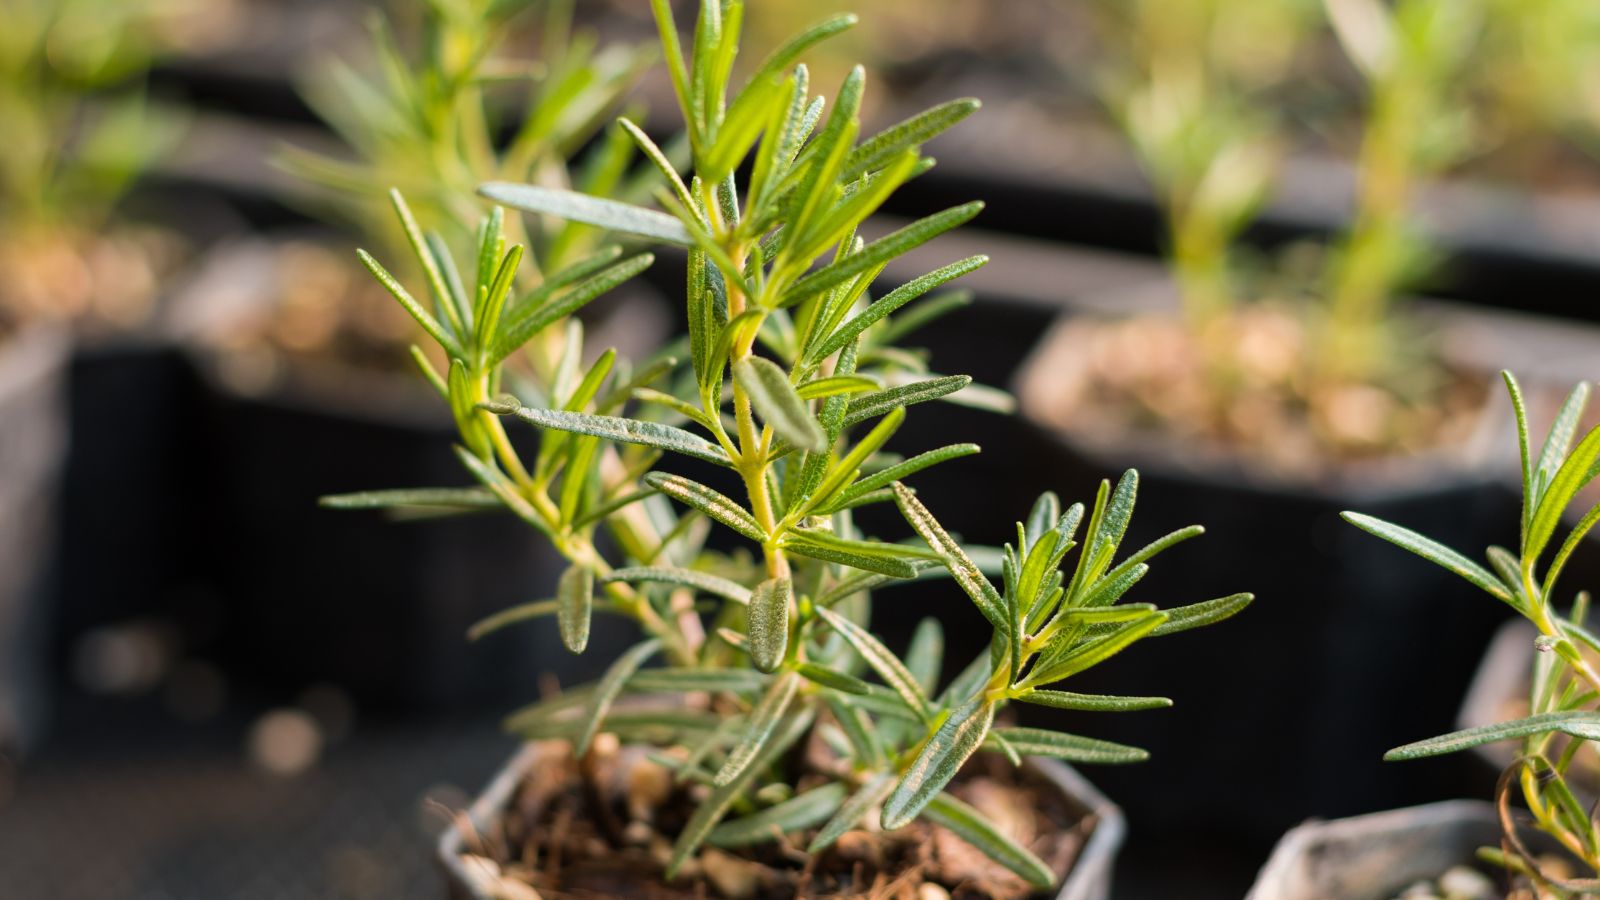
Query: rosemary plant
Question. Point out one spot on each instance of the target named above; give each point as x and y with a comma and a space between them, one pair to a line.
1412, 57
797, 432
79, 130
1564, 712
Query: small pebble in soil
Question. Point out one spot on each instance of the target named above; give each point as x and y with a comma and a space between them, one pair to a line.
932, 892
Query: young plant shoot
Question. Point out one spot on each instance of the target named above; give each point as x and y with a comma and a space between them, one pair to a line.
1564, 712
791, 387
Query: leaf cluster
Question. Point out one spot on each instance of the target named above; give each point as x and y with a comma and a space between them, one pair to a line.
771, 418
1564, 698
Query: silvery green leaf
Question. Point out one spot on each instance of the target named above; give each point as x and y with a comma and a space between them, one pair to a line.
710, 502
867, 406
833, 678
677, 681
575, 604
1092, 702
879, 252
888, 666
760, 727
962, 568
609, 686
422, 498
1583, 725
1432, 551
612, 215
1195, 615
776, 400
1071, 747
798, 813
769, 623
971, 826
627, 431
700, 581
940, 759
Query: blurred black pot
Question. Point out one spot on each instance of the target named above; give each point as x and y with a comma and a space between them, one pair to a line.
33, 409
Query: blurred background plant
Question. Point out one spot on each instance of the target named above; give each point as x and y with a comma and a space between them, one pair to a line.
80, 129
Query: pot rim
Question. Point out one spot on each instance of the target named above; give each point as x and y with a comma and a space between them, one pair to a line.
1089, 878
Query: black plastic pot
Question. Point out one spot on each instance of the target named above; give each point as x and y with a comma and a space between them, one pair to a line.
1090, 878
1352, 646
33, 408
1376, 856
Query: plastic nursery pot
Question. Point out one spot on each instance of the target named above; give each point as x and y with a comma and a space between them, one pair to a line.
1352, 646
1088, 879
1376, 856
307, 595
33, 408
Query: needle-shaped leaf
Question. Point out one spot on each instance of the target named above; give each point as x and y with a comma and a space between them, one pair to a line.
759, 727
523, 612
867, 406
885, 559
1576, 471
528, 320
612, 215
700, 581
833, 678
575, 604
615, 428
887, 304
867, 798
885, 145
974, 828
901, 470
1583, 725
888, 666
769, 623
1091, 653
1559, 441
778, 403
607, 689
468, 498
925, 654
940, 759
713, 808
879, 252
798, 813
1196, 615
1432, 551
716, 505
1070, 747
1091, 702
834, 385
423, 317
783, 57
677, 681
961, 566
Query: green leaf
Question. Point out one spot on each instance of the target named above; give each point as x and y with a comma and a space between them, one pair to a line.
523, 612
528, 320
494, 300
609, 686
863, 801
925, 655
885, 663
1070, 747
627, 431
885, 559
781, 58
866, 406
833, 385
708, 501
575, 603
1529, 498
1196, 615
1432, 551
847, 467
715, 585
713, 808
769, 623
659, 160
1560, 437
778, 403
423, 317
1091, 653
1575, 472
424, 498
890, 302
680, 681
941, 758
496, 481
1584, 726
961, 566
612, 215
878, 252
971, 826
901, 470
760, 728
885, 145
798, 813
833, 678
1091, 702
